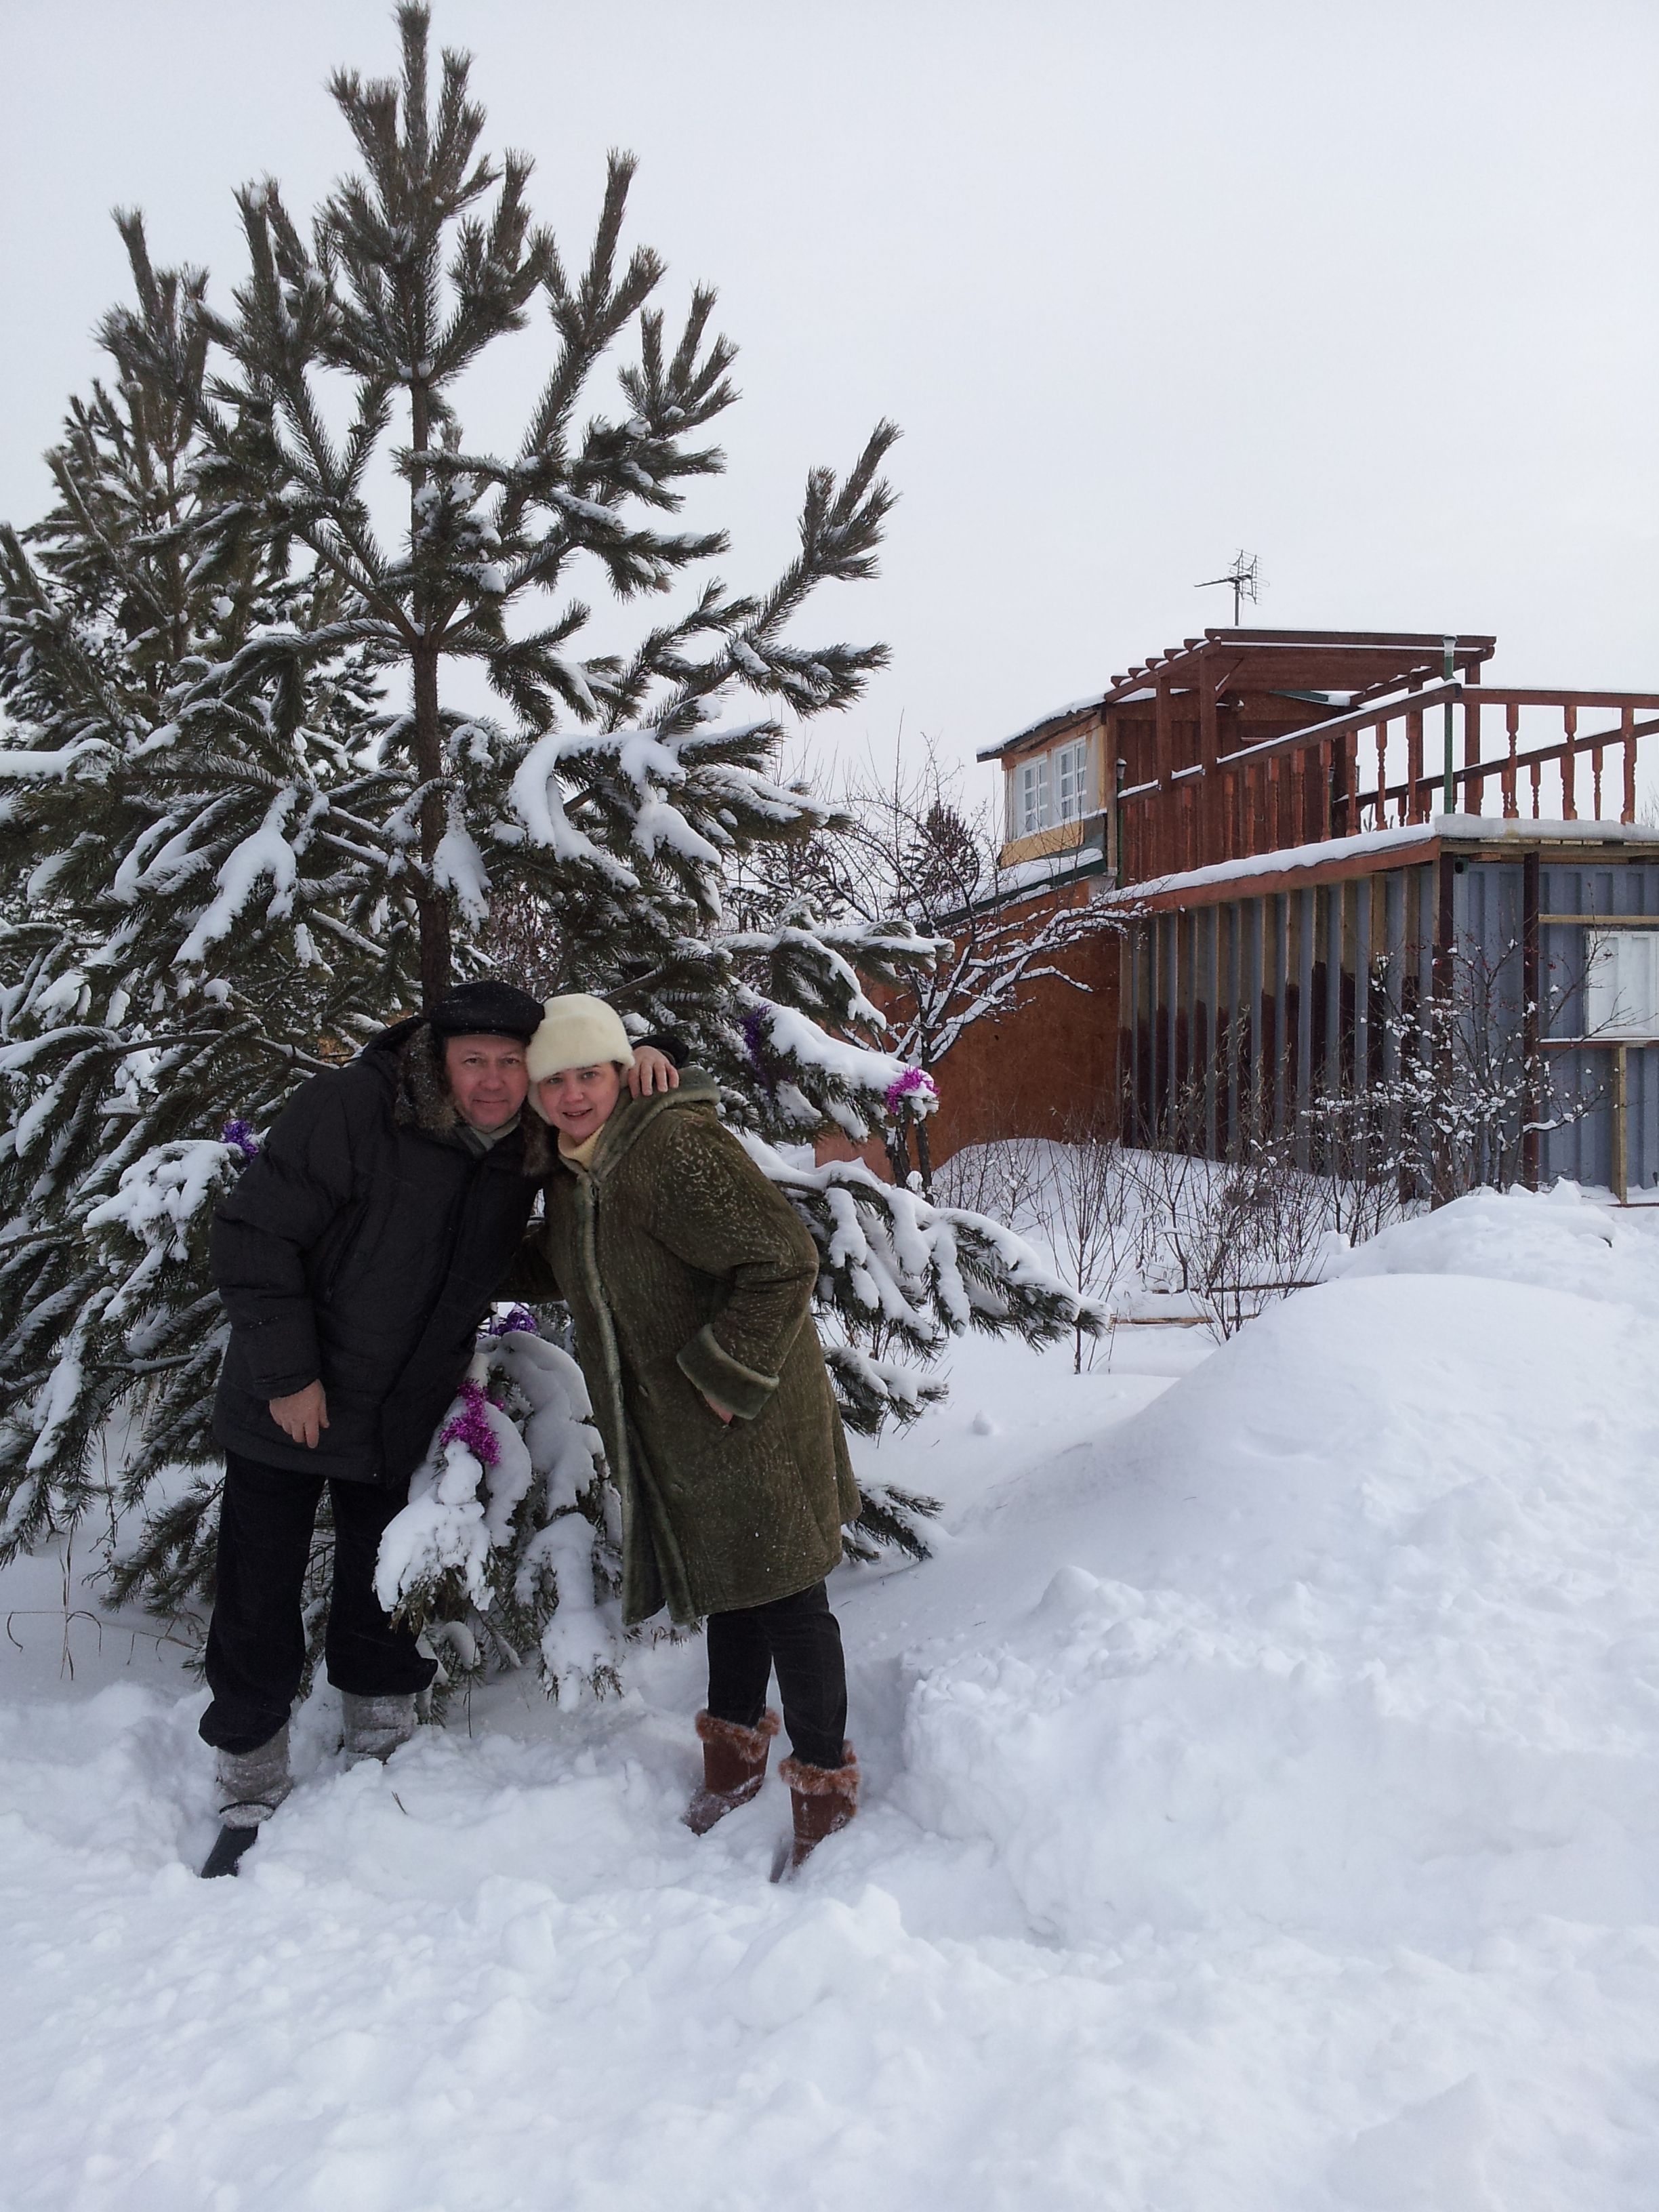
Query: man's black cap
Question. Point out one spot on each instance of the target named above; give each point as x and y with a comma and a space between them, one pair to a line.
486, 1008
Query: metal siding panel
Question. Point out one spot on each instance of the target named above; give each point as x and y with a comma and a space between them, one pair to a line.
1281, 972
1211, 993
1394, 956
1583, 1150
1258, 951
1306, 947
1337, 901
1364, 900
1642, 1123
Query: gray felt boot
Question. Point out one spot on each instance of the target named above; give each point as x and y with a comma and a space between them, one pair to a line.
249, 1786
374, 1727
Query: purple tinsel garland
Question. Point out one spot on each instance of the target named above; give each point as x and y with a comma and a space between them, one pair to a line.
916, 1089
239, 1135
755, 1037
515, 1321
469, 1427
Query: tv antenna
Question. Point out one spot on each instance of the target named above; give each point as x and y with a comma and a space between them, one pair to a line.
1244, 576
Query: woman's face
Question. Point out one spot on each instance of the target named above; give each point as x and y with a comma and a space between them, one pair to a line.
577, 1101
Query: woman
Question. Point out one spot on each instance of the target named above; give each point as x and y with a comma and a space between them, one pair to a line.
690, 1278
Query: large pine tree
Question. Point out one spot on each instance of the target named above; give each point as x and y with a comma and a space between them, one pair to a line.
242, 823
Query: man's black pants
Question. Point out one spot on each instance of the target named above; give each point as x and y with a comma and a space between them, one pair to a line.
799, 1637
256, 1646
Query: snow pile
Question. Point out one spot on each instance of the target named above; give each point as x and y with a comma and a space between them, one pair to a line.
1262, 1816
1360, 1636
1555, 1240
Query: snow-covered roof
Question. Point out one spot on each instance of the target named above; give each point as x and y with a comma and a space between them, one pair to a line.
1466, 829
1050, 868
1055, 715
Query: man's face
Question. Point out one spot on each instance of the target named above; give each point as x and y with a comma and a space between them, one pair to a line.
577, 1101
488, 1079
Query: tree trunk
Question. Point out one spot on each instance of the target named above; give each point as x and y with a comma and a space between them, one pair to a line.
431, 905
896, 1143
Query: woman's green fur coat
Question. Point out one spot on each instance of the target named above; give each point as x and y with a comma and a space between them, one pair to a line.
689, 1277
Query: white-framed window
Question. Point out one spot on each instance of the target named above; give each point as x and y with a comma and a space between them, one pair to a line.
1621, 983
1031, 795
1072, 781
1050, 788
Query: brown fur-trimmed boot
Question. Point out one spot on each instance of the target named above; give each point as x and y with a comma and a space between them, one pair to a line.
824, 1799
733, 1767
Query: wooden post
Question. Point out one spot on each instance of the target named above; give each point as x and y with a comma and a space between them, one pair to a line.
1569, 763
1209, 782
1474, 787
1513, 724
1413, 763
1627, 724
1163, 837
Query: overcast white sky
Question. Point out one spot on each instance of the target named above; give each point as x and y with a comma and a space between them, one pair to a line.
1369, 289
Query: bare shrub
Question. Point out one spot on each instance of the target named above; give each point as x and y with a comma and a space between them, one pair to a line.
1001, 1179
1084, 1204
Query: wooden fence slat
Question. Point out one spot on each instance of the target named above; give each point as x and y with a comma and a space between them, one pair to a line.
1513, 724
1474, 786
1627, 724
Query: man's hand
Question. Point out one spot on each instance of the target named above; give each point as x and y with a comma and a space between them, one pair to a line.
652, 1071
304, 1416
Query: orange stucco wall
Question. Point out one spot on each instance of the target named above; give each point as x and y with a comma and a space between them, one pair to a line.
1026, 1074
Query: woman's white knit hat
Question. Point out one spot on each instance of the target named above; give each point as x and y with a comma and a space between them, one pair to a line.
576, 1032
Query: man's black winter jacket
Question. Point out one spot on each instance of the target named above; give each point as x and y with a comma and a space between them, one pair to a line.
363, 1248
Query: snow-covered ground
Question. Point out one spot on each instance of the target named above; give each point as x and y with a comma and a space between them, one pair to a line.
1262, 1816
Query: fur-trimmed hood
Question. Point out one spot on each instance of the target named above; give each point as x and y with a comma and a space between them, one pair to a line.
423, 1100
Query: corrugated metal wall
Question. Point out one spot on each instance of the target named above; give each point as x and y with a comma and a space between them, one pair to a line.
1583, 1149
1279, 994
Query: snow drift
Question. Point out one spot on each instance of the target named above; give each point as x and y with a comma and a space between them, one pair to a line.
1263, 1817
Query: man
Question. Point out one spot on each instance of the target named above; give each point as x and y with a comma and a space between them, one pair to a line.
356, 1257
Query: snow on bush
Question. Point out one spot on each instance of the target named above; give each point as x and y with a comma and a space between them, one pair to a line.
505, 1540
162, 1200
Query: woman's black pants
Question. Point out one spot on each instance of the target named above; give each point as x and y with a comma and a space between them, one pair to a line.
256, 1646
799, 1637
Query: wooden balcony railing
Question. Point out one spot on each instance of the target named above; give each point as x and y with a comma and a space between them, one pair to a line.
1542, 755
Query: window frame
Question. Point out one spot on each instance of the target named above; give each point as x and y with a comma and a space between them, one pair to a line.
1614, 949
1070, 759
1032, 789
